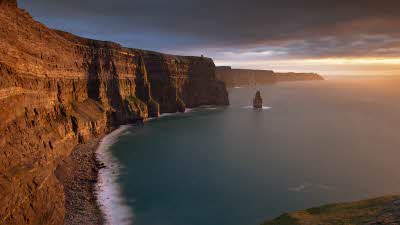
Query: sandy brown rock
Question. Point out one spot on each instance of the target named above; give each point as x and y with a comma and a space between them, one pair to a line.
58, 90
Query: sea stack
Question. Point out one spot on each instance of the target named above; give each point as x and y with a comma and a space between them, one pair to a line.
257, 102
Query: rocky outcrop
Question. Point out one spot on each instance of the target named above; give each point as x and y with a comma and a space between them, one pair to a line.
58, 90
244, 77
258, 102
377, 211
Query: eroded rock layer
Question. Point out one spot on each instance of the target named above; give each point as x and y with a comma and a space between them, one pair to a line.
244, 77
58, 90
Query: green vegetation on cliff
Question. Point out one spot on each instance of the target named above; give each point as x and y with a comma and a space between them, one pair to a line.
360, 212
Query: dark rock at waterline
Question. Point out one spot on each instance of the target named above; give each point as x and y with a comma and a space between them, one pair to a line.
257, 102
180, 105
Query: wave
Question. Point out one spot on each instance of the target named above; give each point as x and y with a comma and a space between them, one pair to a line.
188, 110
306, 186
109, 193
251, 107
204, 107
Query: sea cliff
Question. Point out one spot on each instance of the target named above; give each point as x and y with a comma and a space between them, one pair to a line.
245, 77
58, 91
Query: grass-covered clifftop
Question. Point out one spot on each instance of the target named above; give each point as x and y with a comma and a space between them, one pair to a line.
383, 210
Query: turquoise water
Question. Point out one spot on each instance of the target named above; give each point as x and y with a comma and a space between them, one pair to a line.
320, 142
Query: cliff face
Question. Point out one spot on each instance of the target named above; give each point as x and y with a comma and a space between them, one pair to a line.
243, 77
177, 80
58, 90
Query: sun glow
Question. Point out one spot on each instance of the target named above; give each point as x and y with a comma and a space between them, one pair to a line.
325, 66
351, 61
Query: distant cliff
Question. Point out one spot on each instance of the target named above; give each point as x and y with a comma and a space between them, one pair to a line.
58, 90
244, 77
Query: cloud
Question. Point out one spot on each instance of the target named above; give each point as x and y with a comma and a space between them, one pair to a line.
258, 30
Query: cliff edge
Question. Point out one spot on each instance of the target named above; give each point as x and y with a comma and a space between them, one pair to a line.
245, 77
377, 211
58, 90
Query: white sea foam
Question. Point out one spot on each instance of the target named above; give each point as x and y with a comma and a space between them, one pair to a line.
110, 199
170, 114
301, 187
204, 107
251, 107
188, 110
306, 186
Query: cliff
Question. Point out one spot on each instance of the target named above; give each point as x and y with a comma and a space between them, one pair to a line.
244, 77
58, 90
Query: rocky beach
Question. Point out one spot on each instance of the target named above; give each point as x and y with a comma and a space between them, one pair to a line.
79, 176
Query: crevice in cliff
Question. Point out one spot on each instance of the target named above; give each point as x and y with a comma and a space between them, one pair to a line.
93, 84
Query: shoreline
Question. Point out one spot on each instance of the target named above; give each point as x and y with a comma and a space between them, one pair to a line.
88, 176
79, 176
113, 206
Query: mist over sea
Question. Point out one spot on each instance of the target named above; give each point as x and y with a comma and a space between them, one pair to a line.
313, 143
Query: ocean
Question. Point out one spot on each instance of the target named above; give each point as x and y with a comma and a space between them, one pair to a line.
313, 143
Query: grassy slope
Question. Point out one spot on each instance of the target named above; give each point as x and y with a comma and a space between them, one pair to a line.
342, 213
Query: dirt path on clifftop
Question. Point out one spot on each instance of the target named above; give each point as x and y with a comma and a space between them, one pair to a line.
79, 176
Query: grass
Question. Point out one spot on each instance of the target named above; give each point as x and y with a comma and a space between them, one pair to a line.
137, 103
354, 213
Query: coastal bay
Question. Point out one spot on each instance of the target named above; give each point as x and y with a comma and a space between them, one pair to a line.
285, 157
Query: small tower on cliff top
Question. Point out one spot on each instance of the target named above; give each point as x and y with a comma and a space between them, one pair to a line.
257, 102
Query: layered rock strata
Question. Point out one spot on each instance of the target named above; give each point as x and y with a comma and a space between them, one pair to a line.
244, 77
58, 90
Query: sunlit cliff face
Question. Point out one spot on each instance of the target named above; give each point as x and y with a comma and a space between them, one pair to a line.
342, 37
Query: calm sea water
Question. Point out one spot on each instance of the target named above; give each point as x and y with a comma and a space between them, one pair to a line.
320, 142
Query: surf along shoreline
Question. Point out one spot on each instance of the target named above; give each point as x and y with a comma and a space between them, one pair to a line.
94, 197
89, 177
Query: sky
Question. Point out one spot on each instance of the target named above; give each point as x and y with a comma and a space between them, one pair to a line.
341, 37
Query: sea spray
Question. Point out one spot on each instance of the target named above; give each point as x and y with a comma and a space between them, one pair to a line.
110, 199
251, 107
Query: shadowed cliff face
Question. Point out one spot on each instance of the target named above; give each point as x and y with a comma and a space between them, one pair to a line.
243, 77
58, 90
